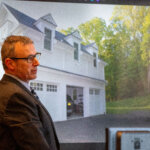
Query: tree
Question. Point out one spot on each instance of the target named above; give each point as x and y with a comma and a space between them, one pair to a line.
115, 51
132, 17
145, 47
124, 45
93, 31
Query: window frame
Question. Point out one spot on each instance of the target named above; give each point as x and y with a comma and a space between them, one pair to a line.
94, 59
94, 91
47, 39
76, 51
51, 88
38, 86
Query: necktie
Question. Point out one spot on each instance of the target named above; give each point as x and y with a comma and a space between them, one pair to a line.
34, 93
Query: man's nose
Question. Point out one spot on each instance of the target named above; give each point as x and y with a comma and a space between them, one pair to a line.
36, 62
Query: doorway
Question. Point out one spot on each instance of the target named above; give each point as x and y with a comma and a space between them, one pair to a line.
74, 102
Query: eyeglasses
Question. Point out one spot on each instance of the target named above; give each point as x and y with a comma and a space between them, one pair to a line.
30, 58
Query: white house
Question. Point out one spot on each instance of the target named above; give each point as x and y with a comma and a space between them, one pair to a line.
70, 78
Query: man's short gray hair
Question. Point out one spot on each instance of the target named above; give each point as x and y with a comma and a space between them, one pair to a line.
8, 47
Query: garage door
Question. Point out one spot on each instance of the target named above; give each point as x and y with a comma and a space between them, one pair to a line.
94, 101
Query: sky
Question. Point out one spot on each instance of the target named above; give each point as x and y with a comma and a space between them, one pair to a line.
65, 14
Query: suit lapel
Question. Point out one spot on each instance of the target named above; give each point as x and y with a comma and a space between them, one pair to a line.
11, 79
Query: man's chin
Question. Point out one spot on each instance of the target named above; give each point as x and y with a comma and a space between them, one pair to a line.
33, 77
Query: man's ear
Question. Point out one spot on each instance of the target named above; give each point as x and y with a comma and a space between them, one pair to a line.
10, 64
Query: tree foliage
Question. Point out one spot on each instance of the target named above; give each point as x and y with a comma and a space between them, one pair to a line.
93, 31
145, 44
130, 83
125, 45
67, 31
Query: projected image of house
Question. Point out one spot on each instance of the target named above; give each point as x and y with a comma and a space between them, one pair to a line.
71, 80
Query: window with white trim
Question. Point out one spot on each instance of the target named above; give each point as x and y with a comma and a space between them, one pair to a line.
91, 91
76, 51
47, 39
94, 59
94, 91
97, 91
74, 94
36, 86
51, 88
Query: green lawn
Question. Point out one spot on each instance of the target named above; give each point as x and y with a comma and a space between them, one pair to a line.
127, 105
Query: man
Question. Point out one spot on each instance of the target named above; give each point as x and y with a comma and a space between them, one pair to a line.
25, 124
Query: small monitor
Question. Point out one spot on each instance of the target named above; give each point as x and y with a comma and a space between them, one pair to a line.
127, 138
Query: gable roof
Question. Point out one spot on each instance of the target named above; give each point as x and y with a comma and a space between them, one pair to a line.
76, 34
83, 48
30, 22
22, 18
61, 37
50, 19
91, 45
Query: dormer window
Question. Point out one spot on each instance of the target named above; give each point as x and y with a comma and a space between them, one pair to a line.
47, 39
94, 60
76, 51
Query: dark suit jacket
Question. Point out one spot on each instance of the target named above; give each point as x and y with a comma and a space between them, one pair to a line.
25, 124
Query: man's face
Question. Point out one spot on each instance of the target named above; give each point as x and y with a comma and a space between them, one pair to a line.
23, 69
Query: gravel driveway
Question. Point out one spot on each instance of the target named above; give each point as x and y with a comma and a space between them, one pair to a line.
92, 129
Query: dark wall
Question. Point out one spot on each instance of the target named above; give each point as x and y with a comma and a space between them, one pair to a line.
82, 146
